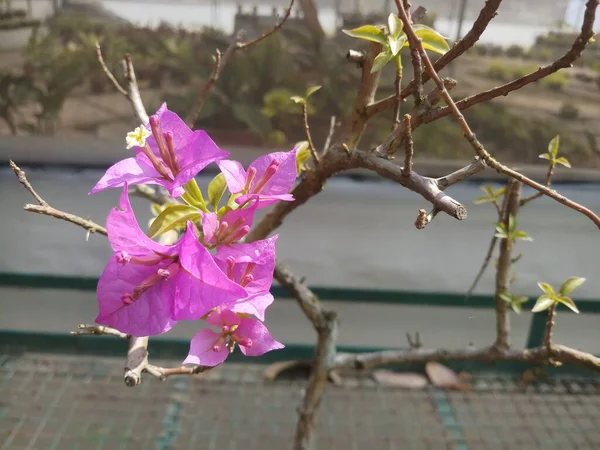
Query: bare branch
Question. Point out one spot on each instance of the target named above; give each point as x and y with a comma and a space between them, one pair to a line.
277, 27
311, 145
133, 91
137, 360
564, 62
107, 71
162, 373
46, 209
486, 262
415, 57
550, 326
156, 194
509, 209
408, 147
93, 330
488, 354
470, 136
423, 218
332, 125
546, 183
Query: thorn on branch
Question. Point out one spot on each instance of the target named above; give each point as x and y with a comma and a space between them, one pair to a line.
414, 343
423, 218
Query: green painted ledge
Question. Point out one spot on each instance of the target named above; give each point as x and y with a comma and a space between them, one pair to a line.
41, 281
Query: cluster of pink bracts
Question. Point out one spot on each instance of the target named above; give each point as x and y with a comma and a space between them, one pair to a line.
147, 287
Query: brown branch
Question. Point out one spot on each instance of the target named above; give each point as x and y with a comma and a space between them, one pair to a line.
470, 136
550, 326
326, 325
311, 145
107, 71
133, 91
547, 183
46, 209
488, 12
222, 59
408, 147
563, 62
397, 133
332, 125
488, 354
415, 58
155, 194
93, 330
510, 209
486, 262
277, 27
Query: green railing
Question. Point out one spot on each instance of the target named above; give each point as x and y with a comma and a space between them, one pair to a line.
167, 348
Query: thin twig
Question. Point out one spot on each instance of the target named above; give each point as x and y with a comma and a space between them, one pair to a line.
484, 266
311, 145
398, 88
470, 136
277, 27
45, 208
133, 91
107, 71
547, 183
408, 147
332, 125
415, 58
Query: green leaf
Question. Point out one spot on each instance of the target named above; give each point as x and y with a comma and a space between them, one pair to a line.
381, 60
311, 90
298, 99
368, 33
172, 217
564, 161
501, 231
568, 302
548, 290
506, 297
553, 146
394, 25
216, 189
302, 155
432, 40
521, 235
395, 45
547, 156
517, 303
543, 302
570, 285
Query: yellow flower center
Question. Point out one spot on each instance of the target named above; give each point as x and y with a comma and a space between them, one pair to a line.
137, 137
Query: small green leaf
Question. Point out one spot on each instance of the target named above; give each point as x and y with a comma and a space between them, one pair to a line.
548, 290
311, 90
522, 236
517, 303
570, 285
395, 45
368, 33
302, 155
432, 40
564, 161
172, 217
543, 302
553, 146
547, 156
506, 297
394, 25
216, 189
568, 302
512, 224
501, 231
298, 99
381, 60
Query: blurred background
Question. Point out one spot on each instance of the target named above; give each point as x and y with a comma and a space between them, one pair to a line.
62, 121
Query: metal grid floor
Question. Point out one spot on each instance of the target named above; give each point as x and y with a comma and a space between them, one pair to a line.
52, 402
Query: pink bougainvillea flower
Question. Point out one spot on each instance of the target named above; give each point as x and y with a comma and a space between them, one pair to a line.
167, 153
269, 178
232, 227
251, 266
209, 348
147, 286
